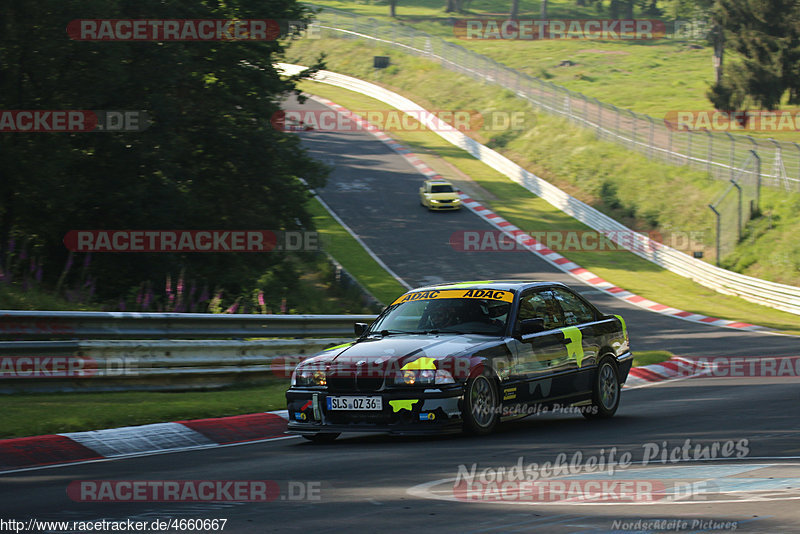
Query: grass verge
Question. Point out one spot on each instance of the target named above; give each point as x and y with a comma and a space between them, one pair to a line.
13, 297
653, 77
349, 253
528, 212
649, 357
35, 414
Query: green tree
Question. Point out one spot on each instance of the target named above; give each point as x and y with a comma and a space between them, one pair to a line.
210, 159
766, 36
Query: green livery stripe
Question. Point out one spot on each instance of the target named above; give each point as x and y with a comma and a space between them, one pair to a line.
574, 339
338, 346
624, 327
405, 404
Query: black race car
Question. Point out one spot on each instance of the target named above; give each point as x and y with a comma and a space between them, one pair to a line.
461, 357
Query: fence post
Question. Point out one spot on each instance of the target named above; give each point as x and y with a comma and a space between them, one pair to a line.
758, 181
798, 164
568, 102
669, 145
585, 109
739, 211
732, 153
716, 213
599, 115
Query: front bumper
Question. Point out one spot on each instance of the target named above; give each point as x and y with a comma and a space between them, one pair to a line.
419, 411
624, 363
443, 207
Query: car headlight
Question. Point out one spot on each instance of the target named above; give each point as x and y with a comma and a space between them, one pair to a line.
309, 376
424, 377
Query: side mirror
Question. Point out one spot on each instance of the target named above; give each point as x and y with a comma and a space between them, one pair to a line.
531, 326
360, 328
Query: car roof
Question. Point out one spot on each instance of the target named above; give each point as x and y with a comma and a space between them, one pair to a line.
437, 181
503, 285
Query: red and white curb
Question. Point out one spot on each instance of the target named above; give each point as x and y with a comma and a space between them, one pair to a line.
526, 241
676, 368
75, 447
21, 454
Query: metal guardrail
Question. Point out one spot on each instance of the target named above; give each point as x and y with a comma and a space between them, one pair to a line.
719, 153
31, 325
778, 296
107, 351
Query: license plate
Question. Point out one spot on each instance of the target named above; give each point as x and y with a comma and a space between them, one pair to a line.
355, 403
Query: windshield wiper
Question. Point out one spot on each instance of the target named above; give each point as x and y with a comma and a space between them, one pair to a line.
385, 333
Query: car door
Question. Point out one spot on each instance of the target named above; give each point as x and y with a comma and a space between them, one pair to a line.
582, 337
540, 356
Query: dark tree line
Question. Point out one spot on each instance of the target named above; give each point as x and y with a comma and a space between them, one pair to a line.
210, 159
766, 36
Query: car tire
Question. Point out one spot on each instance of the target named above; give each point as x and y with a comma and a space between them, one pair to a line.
322, 437
606, 392
481, 405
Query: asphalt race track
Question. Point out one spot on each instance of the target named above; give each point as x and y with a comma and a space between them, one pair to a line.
748, 478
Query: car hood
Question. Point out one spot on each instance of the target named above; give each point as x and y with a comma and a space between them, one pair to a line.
397, 351
443, 196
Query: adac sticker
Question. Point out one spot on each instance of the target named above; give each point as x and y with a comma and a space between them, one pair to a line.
492, 294
574, 338
510, 393
429, 416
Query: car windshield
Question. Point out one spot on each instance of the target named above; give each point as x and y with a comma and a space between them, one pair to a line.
458, 315
441, 188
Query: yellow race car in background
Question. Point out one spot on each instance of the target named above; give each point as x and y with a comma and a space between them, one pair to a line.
438, 194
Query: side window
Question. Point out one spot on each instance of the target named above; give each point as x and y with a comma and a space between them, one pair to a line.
575, 310
541, 305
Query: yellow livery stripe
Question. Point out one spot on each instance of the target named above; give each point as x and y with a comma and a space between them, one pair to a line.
493, 294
